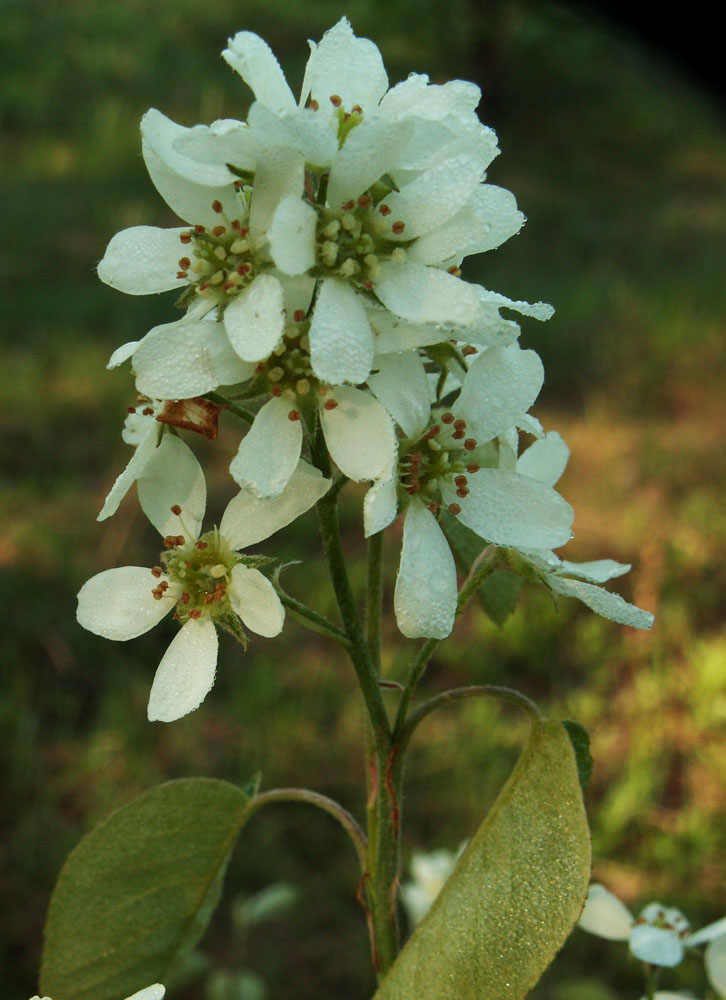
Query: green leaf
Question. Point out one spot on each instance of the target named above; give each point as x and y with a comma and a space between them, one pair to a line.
139, 889
499, 592
581, 745
515, 893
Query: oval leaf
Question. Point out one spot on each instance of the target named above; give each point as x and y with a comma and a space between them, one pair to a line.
139, 889
515, 893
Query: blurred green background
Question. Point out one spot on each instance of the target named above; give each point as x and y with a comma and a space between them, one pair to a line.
620, 164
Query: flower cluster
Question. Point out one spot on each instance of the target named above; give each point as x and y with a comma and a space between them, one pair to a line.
659, 936
318, 271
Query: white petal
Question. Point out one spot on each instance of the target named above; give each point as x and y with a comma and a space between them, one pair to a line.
370, 151
545, 460
172, 477
536, 310
186, 673
254, 599
269, 452
280, 173
292, 236
508, 509
597, 571
155, 992
487, 220
359, 434
715, 960
122, 354
402, 386
603, 602
348, 67
656, 945
253, 59
143, 454
143, 260
380, 505
249, 519
501, 385
341, 340
224, 141
426, 593
425, 294
605, 915
186, 359
436, 196
254, 319
300, 130
188, 187
118, 603
708, 933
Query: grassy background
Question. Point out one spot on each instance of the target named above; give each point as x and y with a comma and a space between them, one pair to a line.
621, 167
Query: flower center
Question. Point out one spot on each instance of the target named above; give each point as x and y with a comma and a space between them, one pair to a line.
667, 919
444, 452
201, 571
219, 262
351, 242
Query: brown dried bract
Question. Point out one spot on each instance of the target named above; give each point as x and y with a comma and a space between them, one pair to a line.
198, 414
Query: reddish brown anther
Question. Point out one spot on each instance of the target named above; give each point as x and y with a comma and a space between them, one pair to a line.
228, 286
157, 595
219, 230
336, 100
384, 209
217, 206
330, 404
184, 263
176, 509
364, 199
235, 224
299, 315
470, 444
434, 507
348, 205
148, 411
195, 613
202, 545
458, 435
243, 268
293, 415
432, 432
398, 227
185, 237
466, 351
199, 229
276, 390
368, 284
182, 274
204, 285
156, 571
472, 467
456, 271
447, 418
131, 409
460, 480
454, 509
459, 424
357, 108
313, 105
462, 492
185, 598
164, 585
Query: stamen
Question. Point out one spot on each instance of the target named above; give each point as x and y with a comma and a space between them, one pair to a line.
459, 424
447, 418
217, 207
299, 315
454, 509
348, 205
330, 404
176, 509
336, 100
314, 105
202, 545
357, 108
185, 598
148, 411
276, 390
462, 492
472, 467
364, 200
470, 444
460, 480
432, 432
293, 415
185, 237
199, 230
156, 571
131, 409
219, 230
184, 263
469, 349
434, 507
384, 209
398, 227
195, 613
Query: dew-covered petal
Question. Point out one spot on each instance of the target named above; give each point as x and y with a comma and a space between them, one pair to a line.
249, 519
602, 602
292, 236
173, 477
143, 260
509, 509
186, 359
186, 672
416, 96
426, 295
500, 386
545, 459
253, 598
341, 339
371, 150
359, 434
224, 141
488, 219
269, 452
142, 455
597, 571
348, 67
426, 592
280, 173
715, 961
401, 384
656, 945
380, 505
255, 62
300, 129
255, 319
708, 933
118, 603
605, 915
435, 196
188, 187
122, 353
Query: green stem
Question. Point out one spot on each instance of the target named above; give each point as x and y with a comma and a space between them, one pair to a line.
415, 673
317, 622
229, 404
374, 599
330, 806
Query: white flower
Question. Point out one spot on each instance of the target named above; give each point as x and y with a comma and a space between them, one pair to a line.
545, 461
429, 872
659, 936
207, 580
450, 459
155, 992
